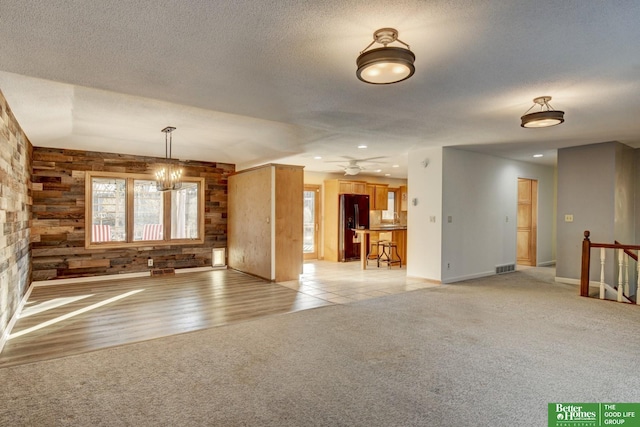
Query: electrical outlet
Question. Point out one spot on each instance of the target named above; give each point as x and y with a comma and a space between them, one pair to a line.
448, 266
150, 262
568, 218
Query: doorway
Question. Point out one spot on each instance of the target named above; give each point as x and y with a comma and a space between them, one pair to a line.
311, 211
527, 222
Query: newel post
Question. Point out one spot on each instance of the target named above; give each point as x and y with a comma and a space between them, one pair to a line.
586, 261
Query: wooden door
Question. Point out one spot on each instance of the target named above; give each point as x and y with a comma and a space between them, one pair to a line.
311, 221
527, 222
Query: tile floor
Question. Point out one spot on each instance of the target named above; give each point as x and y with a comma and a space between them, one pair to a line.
342, 283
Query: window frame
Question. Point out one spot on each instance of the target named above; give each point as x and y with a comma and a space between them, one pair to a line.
396, 205
129, 213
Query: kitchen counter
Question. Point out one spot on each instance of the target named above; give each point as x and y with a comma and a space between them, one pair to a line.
399, 236
388, 227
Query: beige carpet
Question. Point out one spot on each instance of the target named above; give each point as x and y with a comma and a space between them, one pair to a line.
488, 352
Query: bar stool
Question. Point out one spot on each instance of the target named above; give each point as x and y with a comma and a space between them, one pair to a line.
386, 249
373, 256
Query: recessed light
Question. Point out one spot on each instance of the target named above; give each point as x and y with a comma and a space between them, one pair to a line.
378, 170
317, 157
387, 174
395, 166
362, 146
537, 155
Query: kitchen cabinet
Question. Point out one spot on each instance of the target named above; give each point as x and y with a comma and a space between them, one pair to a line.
352, 187
404, 198
378, 196
400, 237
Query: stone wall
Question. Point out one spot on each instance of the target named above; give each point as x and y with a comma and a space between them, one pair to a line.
15, 210
58, 225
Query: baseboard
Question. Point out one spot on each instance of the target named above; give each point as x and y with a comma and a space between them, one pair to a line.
118, 276
91, 279
570, 281
197, 269
547, 263
469, 277
14, 318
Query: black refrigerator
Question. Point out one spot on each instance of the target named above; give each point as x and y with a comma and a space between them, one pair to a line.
354, 213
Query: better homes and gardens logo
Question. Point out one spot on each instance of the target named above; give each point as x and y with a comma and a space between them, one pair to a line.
594, 414
574, 414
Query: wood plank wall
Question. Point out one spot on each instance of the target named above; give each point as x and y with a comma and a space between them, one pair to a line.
250, 221
289, 222
58, 224
15, 210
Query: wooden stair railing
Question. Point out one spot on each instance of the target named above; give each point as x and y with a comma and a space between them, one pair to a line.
623, 267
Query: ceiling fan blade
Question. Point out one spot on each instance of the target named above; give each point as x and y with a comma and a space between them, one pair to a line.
372, 158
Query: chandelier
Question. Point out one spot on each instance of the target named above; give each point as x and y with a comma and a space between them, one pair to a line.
168, 178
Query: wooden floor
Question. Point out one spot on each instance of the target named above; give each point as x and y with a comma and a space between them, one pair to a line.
62, 320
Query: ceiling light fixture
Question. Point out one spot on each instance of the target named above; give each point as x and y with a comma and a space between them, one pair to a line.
537, 155
546, 117
168, 178
362, 146
385, 65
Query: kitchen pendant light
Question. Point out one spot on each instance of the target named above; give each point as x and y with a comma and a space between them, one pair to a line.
385, 65
546, 117
168, 178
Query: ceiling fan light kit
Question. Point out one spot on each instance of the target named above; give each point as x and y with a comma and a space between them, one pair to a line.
385, 65
546, 117
353, 168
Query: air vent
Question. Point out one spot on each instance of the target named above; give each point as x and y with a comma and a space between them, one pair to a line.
506, 268
162, 271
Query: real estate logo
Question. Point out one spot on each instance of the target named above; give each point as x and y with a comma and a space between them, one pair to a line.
594, 414
574, 414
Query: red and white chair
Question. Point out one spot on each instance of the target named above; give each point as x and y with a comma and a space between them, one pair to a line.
152, 232
101, 233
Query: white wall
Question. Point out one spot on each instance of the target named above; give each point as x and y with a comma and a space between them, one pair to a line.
480, 194
625, 188
586, 190
424, 238
597, 184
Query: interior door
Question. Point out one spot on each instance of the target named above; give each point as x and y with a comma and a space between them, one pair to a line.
527, 222
311, 221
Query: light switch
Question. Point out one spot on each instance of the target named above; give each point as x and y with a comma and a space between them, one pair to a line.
432, 218
568, 218
449, 219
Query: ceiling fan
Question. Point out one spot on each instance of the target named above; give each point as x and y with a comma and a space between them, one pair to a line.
353, 168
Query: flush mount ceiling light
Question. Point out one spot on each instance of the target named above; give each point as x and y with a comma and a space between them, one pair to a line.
168, 178
546, 117
385, 65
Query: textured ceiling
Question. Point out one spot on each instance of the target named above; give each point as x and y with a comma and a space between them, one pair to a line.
249, 82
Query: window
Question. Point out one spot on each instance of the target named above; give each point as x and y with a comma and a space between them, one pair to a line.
390, 214
184, 212
127, 210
